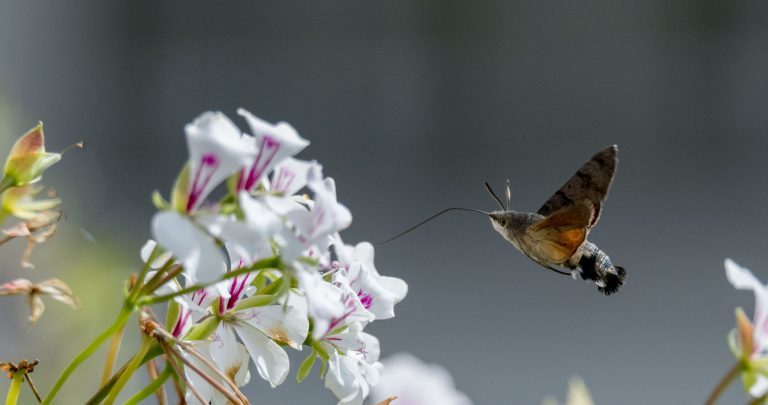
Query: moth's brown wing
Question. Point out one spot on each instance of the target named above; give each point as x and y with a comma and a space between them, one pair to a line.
557, 237
591, 182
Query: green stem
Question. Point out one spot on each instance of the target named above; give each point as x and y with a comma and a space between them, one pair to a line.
121, 319
151, 387
15, 388
129, 370
143, 274
727, 379
269, 263
114, 348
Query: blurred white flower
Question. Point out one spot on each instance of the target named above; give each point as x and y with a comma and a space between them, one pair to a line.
274, 143
414, 382
578, 394
749, 341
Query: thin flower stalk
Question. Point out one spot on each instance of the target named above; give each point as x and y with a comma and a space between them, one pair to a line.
154, 387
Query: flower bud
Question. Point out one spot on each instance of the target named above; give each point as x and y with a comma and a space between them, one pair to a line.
28, 159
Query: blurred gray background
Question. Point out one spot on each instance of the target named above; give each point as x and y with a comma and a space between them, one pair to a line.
411, 106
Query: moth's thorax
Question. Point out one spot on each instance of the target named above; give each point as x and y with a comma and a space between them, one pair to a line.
512, 225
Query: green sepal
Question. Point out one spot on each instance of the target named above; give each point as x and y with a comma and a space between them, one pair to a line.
174, 308
306, 366
324, 356
338, 330
203, 330
180, 192
232, 182
160, 202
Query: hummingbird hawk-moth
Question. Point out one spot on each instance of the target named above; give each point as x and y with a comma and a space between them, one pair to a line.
556, 235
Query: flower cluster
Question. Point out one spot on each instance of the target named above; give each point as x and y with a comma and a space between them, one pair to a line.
248, 253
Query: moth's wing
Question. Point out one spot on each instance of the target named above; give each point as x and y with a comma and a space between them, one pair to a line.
591, 182
557, 237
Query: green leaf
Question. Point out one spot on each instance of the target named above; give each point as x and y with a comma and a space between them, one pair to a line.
306, 366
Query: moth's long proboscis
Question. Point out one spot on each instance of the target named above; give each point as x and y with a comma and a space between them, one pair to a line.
427, 220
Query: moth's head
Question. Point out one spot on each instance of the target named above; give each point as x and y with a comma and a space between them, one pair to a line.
500, 220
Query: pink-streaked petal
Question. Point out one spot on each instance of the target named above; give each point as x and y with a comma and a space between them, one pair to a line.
216, 151
290, 176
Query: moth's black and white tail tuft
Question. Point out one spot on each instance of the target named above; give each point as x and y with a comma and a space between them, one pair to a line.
596, 266
612, 281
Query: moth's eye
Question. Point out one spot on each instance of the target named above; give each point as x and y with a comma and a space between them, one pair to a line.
503, 222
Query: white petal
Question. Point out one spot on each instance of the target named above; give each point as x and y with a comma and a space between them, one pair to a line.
146, 251
328, 216
287, 323
344, 380
194, 379
760, 387
202, 260
270, 359
290, 176
216, 151
229, 355
742, 278
323, 300
357, 344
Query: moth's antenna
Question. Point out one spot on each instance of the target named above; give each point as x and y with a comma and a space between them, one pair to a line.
509, 195
495, 197
429, 219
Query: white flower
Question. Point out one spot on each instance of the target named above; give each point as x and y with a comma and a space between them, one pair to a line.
274, 143
216, 151
415, 383
377, 293
754, 356
743, 279
353, 366
261, 327
578, 394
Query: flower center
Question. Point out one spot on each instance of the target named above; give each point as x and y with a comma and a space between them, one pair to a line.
365, 299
